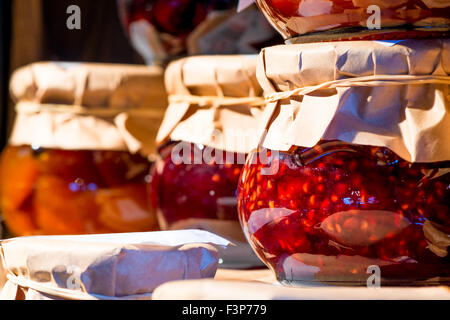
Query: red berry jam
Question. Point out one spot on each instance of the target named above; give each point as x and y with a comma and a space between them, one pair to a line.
193, 188
51, 191
329, 213
328, 20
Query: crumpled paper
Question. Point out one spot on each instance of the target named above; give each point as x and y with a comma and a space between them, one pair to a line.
79, 106
361, 92
92, 85
109, 266
215, 101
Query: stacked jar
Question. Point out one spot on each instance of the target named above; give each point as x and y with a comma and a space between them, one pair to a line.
79, 153
209, 128
350, 183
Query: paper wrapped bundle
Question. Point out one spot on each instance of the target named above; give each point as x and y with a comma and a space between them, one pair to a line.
111, 266
87, 106
393, 95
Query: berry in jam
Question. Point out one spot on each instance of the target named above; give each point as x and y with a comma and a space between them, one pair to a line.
51, 191
329, 20
190, 189
327, 213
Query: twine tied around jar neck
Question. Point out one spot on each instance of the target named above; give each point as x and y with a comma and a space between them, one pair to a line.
181, 81
24, 107
214, 101
368, 81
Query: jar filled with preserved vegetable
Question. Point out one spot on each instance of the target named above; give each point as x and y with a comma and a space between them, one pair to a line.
352, 174
324, 20
78, 156
209, 128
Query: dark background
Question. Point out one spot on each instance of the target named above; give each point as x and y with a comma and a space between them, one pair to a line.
5, 32
101, 38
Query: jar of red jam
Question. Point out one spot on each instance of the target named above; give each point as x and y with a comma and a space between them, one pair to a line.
324, 20
350, 184
209, 128
74, 164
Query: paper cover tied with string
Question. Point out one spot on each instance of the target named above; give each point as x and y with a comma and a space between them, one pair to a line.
393, 95
215, 108
88, 106
214, 101
106, 267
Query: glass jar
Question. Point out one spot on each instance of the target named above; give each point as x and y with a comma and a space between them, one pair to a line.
77, 156
336, 212
326, 20
51, 191
190, 193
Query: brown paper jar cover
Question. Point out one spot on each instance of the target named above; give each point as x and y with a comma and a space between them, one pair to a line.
88, 106
365, 92
214, 100
92, 85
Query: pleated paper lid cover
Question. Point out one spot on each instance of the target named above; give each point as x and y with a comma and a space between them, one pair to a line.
214, 100
90, 85
88, 106
389, 94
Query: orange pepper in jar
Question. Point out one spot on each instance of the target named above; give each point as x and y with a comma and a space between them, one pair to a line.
49, 191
